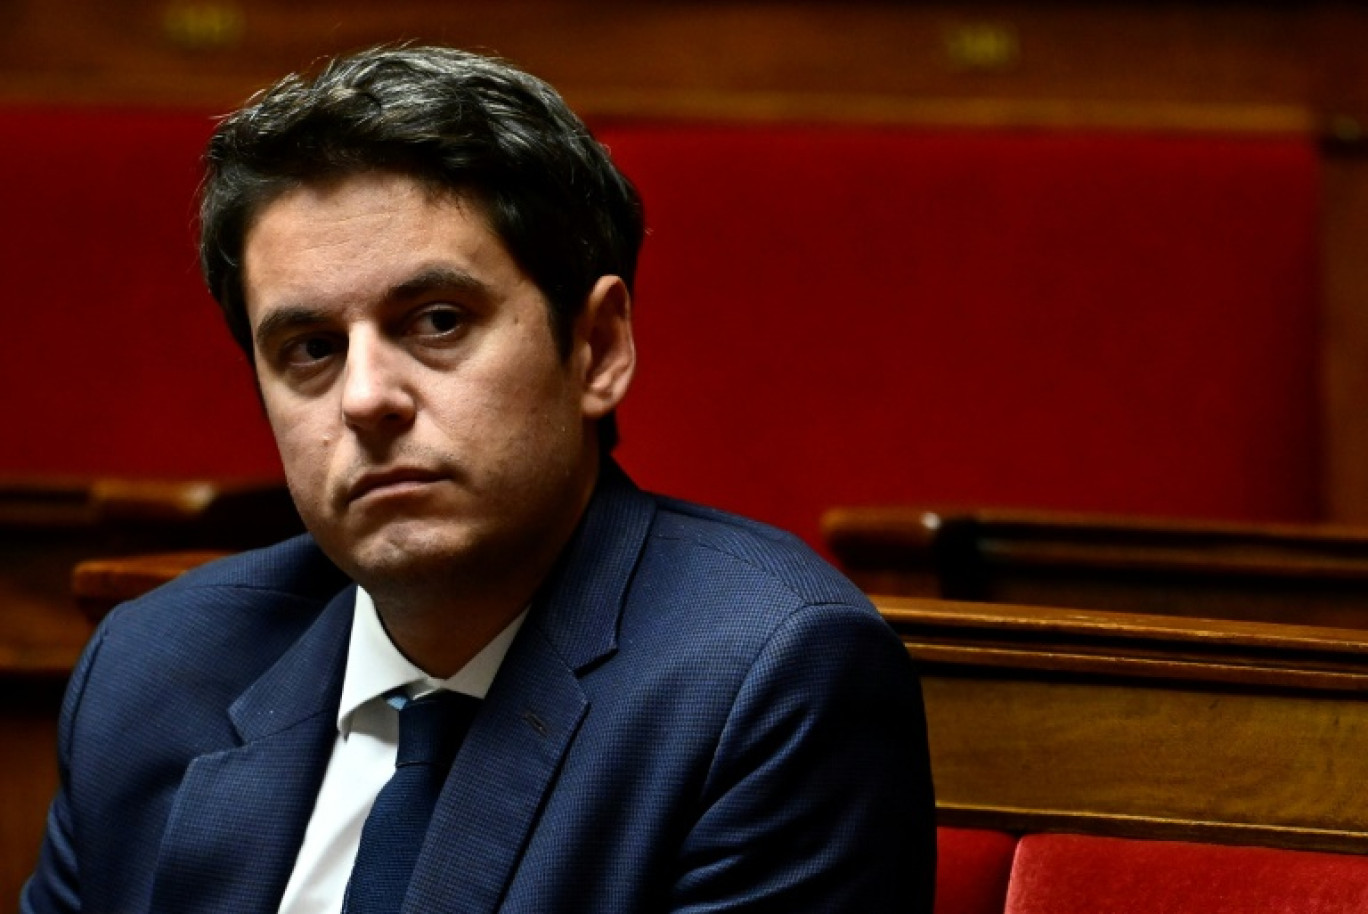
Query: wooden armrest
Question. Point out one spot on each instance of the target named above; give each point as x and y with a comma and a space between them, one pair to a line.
1151, 726
1304, 574
101, 584
206, 513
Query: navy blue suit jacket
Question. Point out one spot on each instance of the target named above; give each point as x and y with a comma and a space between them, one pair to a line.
698, 715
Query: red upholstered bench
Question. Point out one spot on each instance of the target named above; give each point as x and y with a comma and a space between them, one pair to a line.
838, 314
972, 869
1054, 723
986, 872
1078, 874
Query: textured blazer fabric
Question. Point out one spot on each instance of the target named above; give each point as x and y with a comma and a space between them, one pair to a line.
698, 715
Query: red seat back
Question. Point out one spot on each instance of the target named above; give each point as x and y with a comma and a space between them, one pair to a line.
1074, 874
972, 868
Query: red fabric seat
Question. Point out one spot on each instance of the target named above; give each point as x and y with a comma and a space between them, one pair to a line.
1123, 323
1075, 874
827, 316
972, 868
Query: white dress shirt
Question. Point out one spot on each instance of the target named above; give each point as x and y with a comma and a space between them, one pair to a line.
362, 758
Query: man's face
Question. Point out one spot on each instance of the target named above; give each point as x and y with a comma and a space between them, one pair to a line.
424, 415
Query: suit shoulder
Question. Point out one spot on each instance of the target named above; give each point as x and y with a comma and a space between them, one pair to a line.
283, 586
295, 567
727, 550
293, 570
719, 601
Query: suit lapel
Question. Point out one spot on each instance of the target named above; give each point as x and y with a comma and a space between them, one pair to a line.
240, 814
516, 745
507, 764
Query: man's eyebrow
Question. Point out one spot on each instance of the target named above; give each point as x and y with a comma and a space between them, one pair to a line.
434, 279
423, 282
286, 318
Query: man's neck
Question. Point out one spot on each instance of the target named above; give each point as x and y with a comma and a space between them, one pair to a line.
442, 641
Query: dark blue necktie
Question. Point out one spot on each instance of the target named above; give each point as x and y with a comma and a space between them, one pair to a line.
430, 731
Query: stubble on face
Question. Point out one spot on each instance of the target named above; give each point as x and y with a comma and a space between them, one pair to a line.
437, 440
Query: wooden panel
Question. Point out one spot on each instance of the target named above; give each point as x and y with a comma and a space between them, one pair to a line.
1123, 760
1198, 65
41, 630
1309, 574
1345, 334
1045, 718
101, 584
48, 526
231, 513
28, 771
1145, 726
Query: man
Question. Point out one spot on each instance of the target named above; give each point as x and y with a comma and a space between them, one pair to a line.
429, 261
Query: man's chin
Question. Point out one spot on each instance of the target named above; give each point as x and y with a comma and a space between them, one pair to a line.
395, 556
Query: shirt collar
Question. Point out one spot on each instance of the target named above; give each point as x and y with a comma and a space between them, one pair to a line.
375, 666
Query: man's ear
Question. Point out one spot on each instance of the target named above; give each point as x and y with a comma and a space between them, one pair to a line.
604, 351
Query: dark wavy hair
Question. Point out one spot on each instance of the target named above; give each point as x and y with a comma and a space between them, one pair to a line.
456, 121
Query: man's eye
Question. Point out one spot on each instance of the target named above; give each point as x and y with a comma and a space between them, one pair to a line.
310, 349
439, 321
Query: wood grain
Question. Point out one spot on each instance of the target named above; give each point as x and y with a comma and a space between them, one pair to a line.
1147, 726
101, 584
1197, 64
1307, 574
48, 526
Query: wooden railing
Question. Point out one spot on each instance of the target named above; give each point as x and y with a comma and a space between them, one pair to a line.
1075, 720
1050, 718
1040, 718
1303, 574
47, 527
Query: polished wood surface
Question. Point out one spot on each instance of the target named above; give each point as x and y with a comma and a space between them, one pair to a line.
101, 584
1049, 718
47, 527
1045, 718
1193, 66
234, 512
28, 772
1308, 574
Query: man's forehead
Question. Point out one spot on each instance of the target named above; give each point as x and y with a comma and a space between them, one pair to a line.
467, 200
360, 207
371, 237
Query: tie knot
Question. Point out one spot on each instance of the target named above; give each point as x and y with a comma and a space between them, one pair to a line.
431, 728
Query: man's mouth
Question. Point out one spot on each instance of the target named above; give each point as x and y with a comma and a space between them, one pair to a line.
395, 480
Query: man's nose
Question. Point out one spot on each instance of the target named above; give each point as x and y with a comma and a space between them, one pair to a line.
375, 390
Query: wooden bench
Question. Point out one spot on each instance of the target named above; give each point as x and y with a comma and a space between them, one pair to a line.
1065, 739
47, 527
1047, 718
1307, 574
1047, 724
